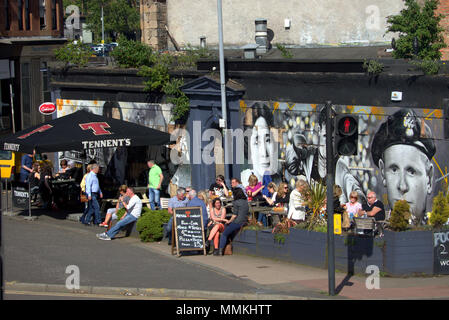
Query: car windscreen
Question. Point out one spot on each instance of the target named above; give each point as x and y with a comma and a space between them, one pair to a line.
5, 155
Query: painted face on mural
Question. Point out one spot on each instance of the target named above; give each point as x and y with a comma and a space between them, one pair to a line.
407, 174
263, 153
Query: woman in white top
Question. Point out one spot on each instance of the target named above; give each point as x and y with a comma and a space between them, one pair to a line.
272, 189
296, 207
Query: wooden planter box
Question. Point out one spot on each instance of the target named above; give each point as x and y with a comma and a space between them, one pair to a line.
408, 253
397, 253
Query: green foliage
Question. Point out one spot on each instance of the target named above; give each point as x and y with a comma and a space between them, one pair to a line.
422, 23
77, 54
316, 199
279, 238
121, 17
284, 51
373, 67
150, 224
120, 213
400, 216
132, 54
440, 211
428, 66
189, 58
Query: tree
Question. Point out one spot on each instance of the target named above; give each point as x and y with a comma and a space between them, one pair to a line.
121, 17
422, 23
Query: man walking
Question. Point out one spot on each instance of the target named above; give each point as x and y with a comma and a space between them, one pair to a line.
155, 178
94, 193
133, 212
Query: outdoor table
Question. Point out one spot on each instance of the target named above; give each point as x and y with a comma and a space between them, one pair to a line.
65, 192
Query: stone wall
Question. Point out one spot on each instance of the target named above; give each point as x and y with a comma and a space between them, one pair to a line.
318, 22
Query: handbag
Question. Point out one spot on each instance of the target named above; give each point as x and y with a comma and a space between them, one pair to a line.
83, 198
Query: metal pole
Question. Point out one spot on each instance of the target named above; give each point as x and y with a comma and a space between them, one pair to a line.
1, 241
102, 30
223, 88
330, 198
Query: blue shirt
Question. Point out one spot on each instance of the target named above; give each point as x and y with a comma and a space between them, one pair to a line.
26, 161
92, 184
175, 203
197, 202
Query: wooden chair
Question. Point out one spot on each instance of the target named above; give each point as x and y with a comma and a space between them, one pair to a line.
164, 203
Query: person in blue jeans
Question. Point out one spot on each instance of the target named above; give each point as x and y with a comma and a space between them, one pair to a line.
155, 178
93, 193
240, 214
133, 212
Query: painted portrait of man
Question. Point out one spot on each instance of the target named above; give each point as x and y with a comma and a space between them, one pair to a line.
403, 149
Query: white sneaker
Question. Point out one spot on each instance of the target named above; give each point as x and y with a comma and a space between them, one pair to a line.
103, 236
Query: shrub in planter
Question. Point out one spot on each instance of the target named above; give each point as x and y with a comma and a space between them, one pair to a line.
150, 224
400, 216
440, 211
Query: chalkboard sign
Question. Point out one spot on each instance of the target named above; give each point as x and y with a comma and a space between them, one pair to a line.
441, 252
188, 228
20, 194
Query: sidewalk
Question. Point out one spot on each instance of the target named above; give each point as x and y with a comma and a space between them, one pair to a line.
276, 277
296, 279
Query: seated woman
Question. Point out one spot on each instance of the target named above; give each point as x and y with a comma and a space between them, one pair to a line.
44, 187
240, 213
353, 207
272, 189
282, 196
111, 213
217, 218
34, 179
254, 189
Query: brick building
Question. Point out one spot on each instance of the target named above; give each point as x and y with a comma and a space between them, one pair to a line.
29, 32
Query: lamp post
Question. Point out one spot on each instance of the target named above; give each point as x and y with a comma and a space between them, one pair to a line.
224, 123
330, 168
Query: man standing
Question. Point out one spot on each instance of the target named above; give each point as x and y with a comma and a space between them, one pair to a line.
155, 178
26, 167
177, 201
374, 208
93, 193
403, 149
133, 212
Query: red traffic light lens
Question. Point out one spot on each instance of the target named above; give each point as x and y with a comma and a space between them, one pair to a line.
347, 126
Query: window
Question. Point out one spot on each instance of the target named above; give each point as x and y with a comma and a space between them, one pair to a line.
20, 14
53, 15
42, 14
27, 14
7, 22
46, 93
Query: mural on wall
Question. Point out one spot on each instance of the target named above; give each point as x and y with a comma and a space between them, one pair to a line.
400, 152
116, 161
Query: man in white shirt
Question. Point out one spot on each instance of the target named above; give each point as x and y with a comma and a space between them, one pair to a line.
133, 211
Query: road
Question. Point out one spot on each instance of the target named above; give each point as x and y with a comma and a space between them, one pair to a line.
40, 251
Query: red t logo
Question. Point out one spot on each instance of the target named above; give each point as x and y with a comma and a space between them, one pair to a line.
40, 129
98, 128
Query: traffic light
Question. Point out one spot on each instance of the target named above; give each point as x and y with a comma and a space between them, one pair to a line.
347, 135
